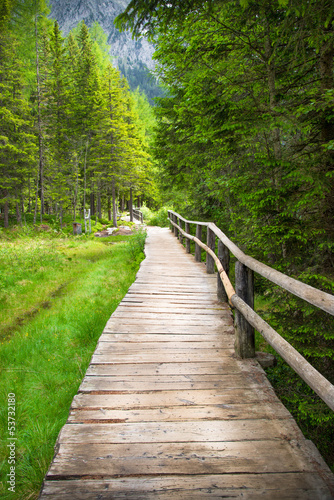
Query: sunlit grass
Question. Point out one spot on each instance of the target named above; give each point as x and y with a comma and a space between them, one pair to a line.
44, 359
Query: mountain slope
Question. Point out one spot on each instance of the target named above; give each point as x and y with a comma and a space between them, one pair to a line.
133, 57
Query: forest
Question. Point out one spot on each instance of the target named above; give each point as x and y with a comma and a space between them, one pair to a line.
245, 138
63, 103
242, 135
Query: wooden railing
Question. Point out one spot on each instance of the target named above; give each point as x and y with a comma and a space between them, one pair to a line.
241, 298
138, 214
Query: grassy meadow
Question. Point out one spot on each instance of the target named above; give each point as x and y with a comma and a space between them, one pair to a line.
56, 295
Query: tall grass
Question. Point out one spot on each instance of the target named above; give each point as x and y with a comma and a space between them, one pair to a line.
43, 358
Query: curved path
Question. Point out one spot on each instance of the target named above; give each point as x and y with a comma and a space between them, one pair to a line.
165, 411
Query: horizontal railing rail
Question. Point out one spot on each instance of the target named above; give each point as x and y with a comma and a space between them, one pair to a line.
138, 215
242, 298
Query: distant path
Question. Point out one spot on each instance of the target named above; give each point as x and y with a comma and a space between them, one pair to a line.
165, 411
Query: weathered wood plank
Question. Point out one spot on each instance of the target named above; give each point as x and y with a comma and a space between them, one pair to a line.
122, 326
182, 413
161, 399
201, 431
128, 459
206, 340
224, 366
120, 346
170, 382
297, 486
171, 356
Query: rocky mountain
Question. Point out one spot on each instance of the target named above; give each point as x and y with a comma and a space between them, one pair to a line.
132, 57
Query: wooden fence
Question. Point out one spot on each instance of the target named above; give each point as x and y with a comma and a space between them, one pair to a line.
241, 298
138, 215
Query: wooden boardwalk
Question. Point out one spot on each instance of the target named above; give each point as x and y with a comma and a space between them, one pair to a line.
165, 411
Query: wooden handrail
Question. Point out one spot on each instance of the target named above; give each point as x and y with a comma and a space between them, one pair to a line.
138, 214
312, 295
226, 282
298, 363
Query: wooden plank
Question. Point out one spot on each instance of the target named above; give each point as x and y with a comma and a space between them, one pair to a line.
127, 347
161, 399
171, 356
120, 326
297, 486
207, 340
164, 383
233, 411
224, 366
169, 320
200, 431
174, 309
127, 459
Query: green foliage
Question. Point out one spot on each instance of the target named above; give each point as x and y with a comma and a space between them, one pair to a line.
136, 244
71, 133
159, 218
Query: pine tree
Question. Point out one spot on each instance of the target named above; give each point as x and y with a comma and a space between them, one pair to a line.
16, 135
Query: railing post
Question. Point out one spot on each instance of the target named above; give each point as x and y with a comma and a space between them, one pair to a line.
198, 250
211, 242
224, 257
187, 230
244, 332
176, 231
170, 216
180, 234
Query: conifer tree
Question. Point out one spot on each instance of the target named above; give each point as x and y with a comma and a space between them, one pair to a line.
16, 134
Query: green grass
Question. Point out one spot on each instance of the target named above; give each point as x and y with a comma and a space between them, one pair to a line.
64, 291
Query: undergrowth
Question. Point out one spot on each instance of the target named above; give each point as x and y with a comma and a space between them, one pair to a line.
159, 218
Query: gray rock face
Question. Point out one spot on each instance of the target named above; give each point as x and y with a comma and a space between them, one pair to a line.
133, 57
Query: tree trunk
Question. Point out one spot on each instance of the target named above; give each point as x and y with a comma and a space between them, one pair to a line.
75, 200
113, 193
85, 177
61, 216
39, 122
29, 197
109, 205
92, 203
36, 198
6, 214
18, 212
99, 208
131, 206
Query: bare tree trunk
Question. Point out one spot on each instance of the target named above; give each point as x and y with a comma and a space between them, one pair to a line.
131, 206
75, 200
61, 215
99, 204
6, 213
36, 198
39, 121
92, 203
18, 213
109, 205
113, 194
85, 176
29, 197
